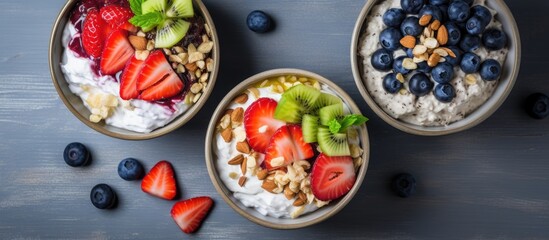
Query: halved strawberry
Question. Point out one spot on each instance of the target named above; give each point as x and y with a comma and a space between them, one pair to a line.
332, 177
160, 181
157, 79
167, 88
93, 34
260, 124
128, 80
116, 53
287, 142
117, 17
189, 214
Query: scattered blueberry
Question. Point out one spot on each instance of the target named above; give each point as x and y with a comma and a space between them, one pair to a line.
412, 6
474, 25
458, 11
382, 59
420, 84
484, 15
432, 10
259, 22
470, 63
389, 38
454, 34
410, 26
397, 66
490, 70
444, 92
391, 84
404, 185
444, 10
494, 39
76, 154
130, 169
394, 17
423, 67
537, 105
455, 61
439, 2
469, 43
443, 72
102, 196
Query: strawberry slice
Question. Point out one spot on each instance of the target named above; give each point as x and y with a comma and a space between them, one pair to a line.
287, 142
167, 88
189, 214
332, 177
128, 80
94, 34
157, 79
117, 17
260, 124
160, 181
116, 53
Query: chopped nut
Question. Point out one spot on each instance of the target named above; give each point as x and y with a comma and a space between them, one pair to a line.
239, 134
435, 25
433, 60
167, 51
268, 185
197, 97
195, 56
233, 175
141, 34
251, 161
189, 98
298, 202
191, 48
303, 164
261, 175
449, 51
294, 186
205, 38
427, 32
403, 91
320, 203
175, 58
209, 64
400, 77
178, 49
302, 196
419, 49
277, 162
141, 54
137, 42
357, 162
470, 79
241, 99
425, 20
408, 41
184, 57
104, 112
95, 118
289, 194
297, 212
236, 160
356, 151
150, 45
242, 181
243, 147
196, 88
431, 43
440, 52
204, 78
201, 64
205, 47
227, 135
254, 91
237, 116
244, 167
208, 29
408, 63
180, 68
225, 121
191, 67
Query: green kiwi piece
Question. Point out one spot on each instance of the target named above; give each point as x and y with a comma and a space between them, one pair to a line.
333, 144
309, 126
334, 111
300, 98
153, 6
170, 32
180, 8
303, 94
325, 99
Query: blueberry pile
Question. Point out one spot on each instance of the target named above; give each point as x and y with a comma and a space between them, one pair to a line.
439, 37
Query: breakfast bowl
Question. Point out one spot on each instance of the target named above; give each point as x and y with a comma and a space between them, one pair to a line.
129, 80
394, 65
271, 156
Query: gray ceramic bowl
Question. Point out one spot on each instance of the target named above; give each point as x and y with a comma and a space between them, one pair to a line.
506, 82
250, 213
74, 103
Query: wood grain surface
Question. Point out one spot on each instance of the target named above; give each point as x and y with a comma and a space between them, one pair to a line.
490, 182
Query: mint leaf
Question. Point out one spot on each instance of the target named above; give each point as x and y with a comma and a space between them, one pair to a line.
334, 126
135, 5
148, 20
352, 120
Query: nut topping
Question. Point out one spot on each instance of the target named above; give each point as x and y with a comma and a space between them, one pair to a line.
237, 160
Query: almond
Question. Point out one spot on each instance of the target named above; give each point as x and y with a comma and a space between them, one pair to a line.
242, 181
431, 43
139, 43
435, 25
442, 35
408, 41
261, 175
288, 193
449, 51
301, 195
237, 160
191, 67
237, 116
298, 202
243, 147
241, 99
244, 167
268, 185
419, 49
425, 20
433, 60
227, 134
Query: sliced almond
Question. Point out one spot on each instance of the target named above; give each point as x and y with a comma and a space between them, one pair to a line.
237, 116
227, 135
433, 60
419, 49
430, 43
209, 64
242, 181
236, 160
425, 19
409, 64
442, 35
254, 91
400, 77
440, 52
243, 147
408, 41
139, 43
204, 78
244, 167
449, 51
435, 25
470, 79
178, 49
262, 174
241, 99
205, 47
195, 56
277, 162
196, 88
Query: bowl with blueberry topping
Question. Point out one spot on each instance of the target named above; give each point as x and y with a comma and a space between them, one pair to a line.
435, 67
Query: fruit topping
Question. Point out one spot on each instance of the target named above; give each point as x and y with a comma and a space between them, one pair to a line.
420, 84
458, 11
295, 102
470, 63
180, 8
286, 146
260, 124
332, 144
130, 169
443, 72
117, 17
332, 177
537, 105
382, 60
391, 84
102, 196
190, 213
404, 185
412, 6
170, 32
160, 181
310, 126
128, 79
444, 92
494, 39
94, 33
490, 70
394, 17
116, 53
390, 38
259, 21
157, 79
76, 154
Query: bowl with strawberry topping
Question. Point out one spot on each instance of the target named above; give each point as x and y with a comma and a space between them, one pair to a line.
287, 148
134, 69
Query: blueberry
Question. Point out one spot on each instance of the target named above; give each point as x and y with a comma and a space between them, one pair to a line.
130, 169
469, 43
469, 2
490, 70
470, 63
455, 61
397, 66
390, 38
432, 10
443, 72
102, 196
410, 26
454, 34
410, 52
444, 11
458, 11
423, 67
474, 25
412, 6
394, 17
484, 15
259, 22
444, 92
391, 84
537, 105
76, 154
404, 185
420, 84
382, 59
494, 39
439, 2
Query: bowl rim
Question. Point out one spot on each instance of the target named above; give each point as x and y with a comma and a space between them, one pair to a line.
57, 77
438, 130
220, 186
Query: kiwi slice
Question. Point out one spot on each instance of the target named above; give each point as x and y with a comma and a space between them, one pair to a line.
325, 99
309, 124
332, 144
170, 32
295, 102
153, 6
334, 111
180, 8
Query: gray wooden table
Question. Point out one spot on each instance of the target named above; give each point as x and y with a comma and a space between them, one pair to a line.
490, 182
